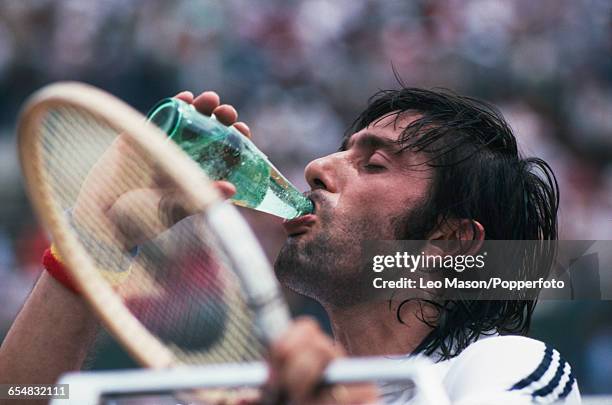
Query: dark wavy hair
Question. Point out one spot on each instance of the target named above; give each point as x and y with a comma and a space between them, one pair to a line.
479, 174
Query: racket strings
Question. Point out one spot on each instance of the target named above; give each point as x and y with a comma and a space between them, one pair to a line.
71, 173
189, 286
179, 285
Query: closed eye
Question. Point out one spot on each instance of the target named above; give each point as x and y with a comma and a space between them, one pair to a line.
374, 167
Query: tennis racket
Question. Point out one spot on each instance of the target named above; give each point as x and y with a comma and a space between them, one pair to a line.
173, 272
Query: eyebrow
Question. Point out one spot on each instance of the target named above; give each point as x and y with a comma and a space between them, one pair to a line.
370, 140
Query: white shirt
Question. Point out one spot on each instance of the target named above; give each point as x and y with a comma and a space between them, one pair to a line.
499, 370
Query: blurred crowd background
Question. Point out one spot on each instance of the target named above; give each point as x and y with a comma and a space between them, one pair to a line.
299, 71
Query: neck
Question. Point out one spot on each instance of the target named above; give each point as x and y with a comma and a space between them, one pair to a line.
373, 329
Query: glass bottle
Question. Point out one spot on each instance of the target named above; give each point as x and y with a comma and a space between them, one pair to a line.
225, 154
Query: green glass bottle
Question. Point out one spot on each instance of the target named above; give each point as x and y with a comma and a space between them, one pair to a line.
225, 154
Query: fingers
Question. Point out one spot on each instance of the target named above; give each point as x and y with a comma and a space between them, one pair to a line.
226, 114
209, 103
243, 128
134, 228
170, 204
226, 188
297, 364
186, 96
298, 359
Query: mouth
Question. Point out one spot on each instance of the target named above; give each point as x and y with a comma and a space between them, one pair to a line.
299, 226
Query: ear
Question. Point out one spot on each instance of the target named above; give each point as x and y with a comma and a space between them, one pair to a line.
451, 236
458, 229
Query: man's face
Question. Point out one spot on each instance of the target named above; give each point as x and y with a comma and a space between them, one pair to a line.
366, 191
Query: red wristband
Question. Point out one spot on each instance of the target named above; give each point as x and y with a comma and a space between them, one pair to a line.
54, 266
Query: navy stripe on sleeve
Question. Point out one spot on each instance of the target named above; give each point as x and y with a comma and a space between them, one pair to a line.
537, 373
552, 384
568, 386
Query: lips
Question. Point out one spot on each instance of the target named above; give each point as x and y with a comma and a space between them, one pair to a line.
300, 225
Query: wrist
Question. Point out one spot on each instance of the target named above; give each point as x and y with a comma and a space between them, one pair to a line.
56, 268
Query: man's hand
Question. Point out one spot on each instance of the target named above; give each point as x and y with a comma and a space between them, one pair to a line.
297, 362
114, 207
209, 103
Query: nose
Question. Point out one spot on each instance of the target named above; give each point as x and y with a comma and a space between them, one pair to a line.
322, 173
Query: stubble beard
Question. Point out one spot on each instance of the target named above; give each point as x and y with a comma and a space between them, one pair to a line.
329, 268
326, 267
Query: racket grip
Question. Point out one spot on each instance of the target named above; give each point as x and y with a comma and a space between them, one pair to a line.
52, 262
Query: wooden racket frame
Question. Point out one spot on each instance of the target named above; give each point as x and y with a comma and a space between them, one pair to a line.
107, 305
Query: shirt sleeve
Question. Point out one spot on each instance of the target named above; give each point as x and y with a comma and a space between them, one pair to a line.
511, 370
